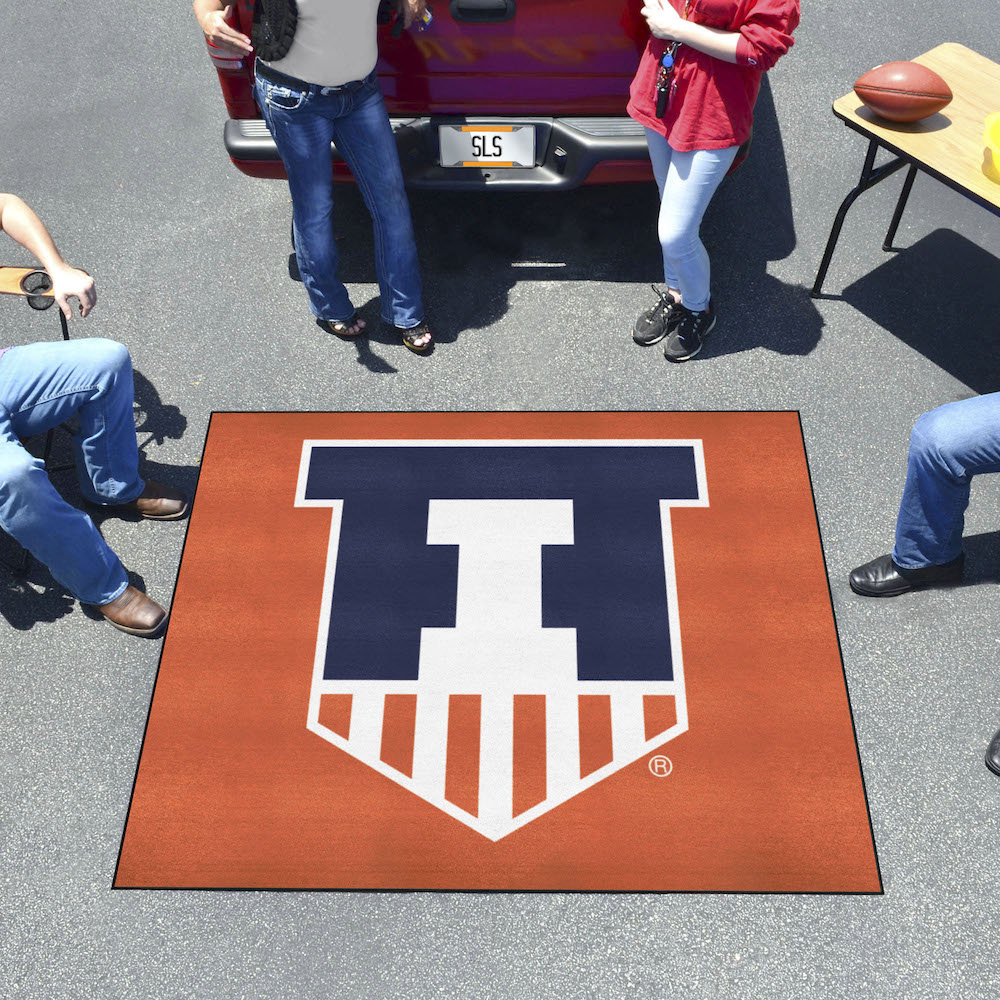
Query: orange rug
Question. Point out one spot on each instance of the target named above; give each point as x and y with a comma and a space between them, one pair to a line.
501, 651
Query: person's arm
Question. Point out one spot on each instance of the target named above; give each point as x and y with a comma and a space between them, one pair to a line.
211, 15
21, 224
761, 41
664, 22
410, 10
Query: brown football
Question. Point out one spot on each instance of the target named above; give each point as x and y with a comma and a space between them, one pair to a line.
903, 91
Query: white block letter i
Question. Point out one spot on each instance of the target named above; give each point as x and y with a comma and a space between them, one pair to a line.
498, 647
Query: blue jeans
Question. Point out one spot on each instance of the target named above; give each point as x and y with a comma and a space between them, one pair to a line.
687, 182
304, 121
948, 447
42, 385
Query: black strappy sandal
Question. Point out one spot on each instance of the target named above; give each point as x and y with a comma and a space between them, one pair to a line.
342, 327
411, 334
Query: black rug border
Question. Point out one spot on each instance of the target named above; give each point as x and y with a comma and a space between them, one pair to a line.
493, 892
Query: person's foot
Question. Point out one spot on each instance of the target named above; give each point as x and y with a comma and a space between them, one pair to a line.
353, 326
688, 337
135, 613
993, 753
158, 502
418, 339
654, 324
883, 578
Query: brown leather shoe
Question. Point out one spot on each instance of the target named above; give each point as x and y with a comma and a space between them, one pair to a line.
158, 502
135, 613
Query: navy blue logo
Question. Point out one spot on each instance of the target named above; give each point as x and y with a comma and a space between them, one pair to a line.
609, 584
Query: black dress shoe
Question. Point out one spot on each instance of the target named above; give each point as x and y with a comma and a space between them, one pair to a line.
883, 578
993, 753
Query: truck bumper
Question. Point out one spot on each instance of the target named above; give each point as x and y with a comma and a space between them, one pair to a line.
568, 152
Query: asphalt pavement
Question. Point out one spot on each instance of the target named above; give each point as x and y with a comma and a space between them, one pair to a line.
111, 128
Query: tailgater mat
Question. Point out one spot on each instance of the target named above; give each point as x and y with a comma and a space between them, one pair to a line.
501, 651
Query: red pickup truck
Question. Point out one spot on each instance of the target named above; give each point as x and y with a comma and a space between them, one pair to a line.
517, 94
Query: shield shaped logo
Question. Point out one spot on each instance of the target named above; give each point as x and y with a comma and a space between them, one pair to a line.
499, 625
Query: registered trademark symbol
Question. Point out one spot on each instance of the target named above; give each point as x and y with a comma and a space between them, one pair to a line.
660, 766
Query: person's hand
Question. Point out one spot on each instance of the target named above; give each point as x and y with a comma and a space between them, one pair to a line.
664, 22
410, 10
222, 35
72, 283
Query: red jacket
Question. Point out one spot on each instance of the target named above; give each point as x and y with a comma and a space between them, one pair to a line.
711, 101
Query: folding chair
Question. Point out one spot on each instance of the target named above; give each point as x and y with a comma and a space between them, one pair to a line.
35, 287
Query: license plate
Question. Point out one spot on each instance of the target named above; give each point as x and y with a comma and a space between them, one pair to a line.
487, 145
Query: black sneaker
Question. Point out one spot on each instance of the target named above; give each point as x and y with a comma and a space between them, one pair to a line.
688, 337
654, 324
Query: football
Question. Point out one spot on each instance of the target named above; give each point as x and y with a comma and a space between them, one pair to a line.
903, 91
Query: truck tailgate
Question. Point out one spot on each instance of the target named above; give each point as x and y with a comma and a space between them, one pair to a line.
552, 57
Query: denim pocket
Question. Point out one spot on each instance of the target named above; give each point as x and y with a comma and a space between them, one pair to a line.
284, 98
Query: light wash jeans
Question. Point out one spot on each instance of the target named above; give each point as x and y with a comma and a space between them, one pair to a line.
42, 385
303, 122
948, 447
687, 182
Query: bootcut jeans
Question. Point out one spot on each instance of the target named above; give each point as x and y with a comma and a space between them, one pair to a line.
304, 120
41, 386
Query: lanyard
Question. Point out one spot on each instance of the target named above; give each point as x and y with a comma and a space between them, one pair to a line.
666, 70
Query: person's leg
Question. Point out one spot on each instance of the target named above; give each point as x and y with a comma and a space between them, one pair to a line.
660, 154
56, 534
948, 446
364, 138
44, 384
691, 180
303, 135
653, 324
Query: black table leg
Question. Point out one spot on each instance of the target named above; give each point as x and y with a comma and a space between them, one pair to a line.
870, 176
900, 205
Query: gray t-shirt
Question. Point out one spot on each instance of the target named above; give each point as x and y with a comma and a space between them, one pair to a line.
334, 42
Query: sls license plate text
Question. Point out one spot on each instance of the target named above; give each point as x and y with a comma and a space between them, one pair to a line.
487, 145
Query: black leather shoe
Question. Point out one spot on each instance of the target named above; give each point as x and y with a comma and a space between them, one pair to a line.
993, 753
883, 578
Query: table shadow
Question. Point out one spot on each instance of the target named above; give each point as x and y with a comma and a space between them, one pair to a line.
941, 296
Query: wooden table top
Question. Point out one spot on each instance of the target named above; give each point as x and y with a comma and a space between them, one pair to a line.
949, 143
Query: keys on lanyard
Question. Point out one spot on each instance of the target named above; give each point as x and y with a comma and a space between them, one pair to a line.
663, 79
666, 70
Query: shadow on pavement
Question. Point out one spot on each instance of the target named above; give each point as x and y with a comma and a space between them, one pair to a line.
982, 558
153, 417
474, 247
749, 224
942, 297
24, 604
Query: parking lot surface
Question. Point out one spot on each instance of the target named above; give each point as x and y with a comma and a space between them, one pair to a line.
112, 130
